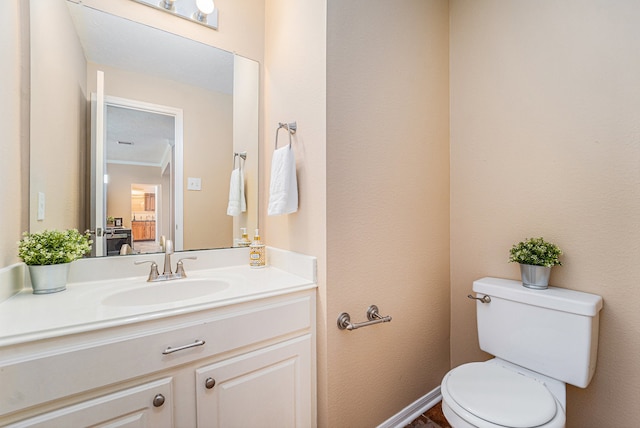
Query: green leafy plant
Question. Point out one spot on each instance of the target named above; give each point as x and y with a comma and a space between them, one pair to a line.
51, 247
537, 252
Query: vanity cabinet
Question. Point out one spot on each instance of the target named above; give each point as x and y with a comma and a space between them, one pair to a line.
267, 387
246, 364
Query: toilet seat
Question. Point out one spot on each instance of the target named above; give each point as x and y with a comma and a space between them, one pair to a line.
492, 395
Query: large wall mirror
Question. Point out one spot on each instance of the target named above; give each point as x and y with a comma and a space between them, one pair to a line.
135, 132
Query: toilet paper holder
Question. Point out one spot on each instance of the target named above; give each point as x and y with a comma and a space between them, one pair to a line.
344, 320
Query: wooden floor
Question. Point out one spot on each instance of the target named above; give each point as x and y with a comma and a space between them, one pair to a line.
432, 418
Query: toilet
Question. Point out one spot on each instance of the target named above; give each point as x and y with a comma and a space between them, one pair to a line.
541, 340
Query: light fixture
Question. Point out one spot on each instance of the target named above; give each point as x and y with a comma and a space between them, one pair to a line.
167, 4
201, 11
205, 7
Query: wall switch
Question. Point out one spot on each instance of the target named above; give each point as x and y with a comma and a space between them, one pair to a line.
194, 183
40, 206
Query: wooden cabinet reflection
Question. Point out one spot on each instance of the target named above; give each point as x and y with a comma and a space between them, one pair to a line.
143, 230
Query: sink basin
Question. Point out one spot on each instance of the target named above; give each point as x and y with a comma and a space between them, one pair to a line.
166, 292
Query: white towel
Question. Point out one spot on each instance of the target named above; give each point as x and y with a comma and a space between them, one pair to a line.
283, 191
237, 201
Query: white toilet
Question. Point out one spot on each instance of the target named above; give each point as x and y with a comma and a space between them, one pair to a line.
542, 339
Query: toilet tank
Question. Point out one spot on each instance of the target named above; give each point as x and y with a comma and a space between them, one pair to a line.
552, 331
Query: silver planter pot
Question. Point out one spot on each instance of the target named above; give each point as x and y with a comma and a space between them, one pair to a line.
48, 279
536, 277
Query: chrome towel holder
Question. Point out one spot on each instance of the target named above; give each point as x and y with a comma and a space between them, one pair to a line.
344, 320
291, 127
241, 156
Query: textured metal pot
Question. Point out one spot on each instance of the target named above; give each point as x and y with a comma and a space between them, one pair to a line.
47, 279
536, 277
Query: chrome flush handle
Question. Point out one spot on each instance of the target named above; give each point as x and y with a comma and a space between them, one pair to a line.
483, 299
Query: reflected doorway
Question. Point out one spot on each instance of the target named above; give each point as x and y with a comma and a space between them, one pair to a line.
143, 155
146, 217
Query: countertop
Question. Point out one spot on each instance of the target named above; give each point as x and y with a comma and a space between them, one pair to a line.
25, 317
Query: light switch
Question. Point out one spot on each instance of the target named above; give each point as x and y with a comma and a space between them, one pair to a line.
194, 183
40, 206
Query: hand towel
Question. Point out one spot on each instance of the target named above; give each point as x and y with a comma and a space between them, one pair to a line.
237, 201
283, 189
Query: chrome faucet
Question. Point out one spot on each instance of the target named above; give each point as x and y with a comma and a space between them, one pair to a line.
167, 275
168, 250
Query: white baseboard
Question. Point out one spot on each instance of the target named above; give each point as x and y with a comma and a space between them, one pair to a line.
413, 410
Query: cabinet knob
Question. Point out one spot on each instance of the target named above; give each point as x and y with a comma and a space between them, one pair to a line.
209, 383
158, 400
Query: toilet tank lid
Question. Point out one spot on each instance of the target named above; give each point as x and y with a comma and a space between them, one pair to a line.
556, 298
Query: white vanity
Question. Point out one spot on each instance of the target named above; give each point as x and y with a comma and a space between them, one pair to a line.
229, 346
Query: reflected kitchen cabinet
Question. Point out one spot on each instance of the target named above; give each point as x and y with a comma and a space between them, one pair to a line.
143, 230
149, 201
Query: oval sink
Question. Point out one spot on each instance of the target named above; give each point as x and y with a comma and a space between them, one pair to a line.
166, 292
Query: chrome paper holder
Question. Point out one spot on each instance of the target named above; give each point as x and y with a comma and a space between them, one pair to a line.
344, 320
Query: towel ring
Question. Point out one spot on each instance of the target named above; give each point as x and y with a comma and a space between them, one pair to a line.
242, 156
291, 127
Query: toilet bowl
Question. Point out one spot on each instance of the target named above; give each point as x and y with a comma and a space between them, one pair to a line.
498, 394
541, 340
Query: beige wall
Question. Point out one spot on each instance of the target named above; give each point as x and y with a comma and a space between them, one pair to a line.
58, 116
386, 190
14, 126
387, 204
545, 141
295, 90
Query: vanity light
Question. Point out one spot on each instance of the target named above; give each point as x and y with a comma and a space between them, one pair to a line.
201, 11
167, 4
205, 7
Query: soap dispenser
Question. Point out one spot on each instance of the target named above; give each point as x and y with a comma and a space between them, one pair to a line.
257, 252
244, 239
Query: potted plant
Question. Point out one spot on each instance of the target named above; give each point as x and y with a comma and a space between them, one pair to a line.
49, 254
536, 257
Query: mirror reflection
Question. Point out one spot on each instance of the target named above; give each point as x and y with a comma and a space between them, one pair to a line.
144, 152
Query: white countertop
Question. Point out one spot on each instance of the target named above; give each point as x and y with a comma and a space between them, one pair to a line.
26, 317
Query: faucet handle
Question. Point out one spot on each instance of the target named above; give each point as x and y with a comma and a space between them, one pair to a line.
153, 273
180, 266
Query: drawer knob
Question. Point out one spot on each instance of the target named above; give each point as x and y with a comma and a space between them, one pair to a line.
209, 383
158, 400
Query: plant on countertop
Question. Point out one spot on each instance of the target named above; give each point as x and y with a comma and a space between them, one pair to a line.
51, 247
536, 252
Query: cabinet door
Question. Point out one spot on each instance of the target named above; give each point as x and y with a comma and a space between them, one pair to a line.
149, 201
148, 405
137, 229
270, 387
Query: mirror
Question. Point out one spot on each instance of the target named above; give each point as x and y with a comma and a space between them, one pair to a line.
175, 112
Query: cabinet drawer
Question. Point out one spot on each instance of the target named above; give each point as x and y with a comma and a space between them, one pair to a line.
145, 406
89, 365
